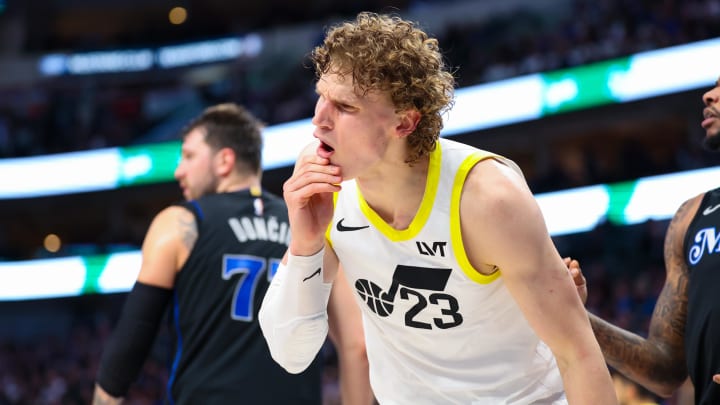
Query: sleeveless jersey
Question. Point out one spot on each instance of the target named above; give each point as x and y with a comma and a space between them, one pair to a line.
702, 328
436, 330
221, 356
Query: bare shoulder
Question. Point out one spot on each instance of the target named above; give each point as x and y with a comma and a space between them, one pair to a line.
170, 238
497, 201
497, 186
174, 225
174, 217
685, 213
675, 236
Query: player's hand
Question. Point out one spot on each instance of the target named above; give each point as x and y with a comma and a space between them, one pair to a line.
308, 194
576, 273
716, 378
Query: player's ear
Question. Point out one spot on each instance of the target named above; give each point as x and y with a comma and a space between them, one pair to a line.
408, 122
225, 161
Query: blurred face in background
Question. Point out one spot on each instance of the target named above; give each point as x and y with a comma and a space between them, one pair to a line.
196, 170
711, 117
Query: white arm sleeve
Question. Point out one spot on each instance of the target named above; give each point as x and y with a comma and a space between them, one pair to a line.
293, 315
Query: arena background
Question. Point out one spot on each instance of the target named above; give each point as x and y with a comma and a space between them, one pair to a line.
62, 90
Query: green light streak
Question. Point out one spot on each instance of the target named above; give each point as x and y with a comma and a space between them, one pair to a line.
581, 87
620, 195
153, 163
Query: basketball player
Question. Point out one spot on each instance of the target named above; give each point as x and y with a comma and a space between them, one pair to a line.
465, 299
210, 259
685, 326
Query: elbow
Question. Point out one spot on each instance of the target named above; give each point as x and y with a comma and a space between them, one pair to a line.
664, 393
294, 353
292, 367
667, 389
663, 390
294, 346
276, 346
663, 374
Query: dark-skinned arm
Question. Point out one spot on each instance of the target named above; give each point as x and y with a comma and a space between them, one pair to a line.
658, 362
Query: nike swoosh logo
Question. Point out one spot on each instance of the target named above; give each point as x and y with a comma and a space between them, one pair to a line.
342, 228
710, 210
312, 275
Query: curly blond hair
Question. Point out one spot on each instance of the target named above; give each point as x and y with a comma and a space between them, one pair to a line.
388, 54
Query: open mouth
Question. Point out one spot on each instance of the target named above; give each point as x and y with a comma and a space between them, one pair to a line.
324, 150
710, 113
326, 147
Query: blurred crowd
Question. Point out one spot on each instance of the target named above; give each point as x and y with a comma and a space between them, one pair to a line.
51, 355
591, 31
63, 115
70, 114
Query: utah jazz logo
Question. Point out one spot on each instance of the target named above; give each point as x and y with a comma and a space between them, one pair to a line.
407, 281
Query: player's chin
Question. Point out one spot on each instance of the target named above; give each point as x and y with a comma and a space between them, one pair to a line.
712, 139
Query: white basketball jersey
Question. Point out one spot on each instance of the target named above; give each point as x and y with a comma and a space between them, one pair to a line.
437, 331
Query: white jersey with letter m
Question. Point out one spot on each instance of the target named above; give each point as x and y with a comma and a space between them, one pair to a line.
437, 331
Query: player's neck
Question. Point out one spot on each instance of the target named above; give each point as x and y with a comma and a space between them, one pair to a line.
396, 195
238, 183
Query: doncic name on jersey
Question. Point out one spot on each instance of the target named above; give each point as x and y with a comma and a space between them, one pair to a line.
260, 228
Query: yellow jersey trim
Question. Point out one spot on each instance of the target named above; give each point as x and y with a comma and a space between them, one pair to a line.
423, 213
330, 225
455, 229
